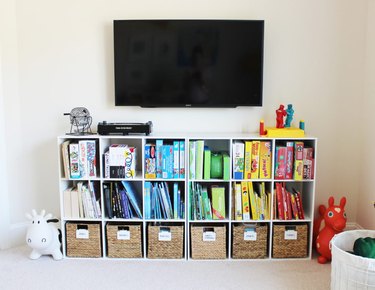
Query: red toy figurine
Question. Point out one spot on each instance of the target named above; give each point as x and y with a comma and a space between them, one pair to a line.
335, 221
280, 114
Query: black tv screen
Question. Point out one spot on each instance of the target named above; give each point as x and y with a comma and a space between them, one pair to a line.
188, 63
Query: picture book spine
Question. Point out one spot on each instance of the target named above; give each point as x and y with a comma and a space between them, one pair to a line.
91, 158
199, 159
238, 159
298, 160
265, 160
150, 161
253, 201
159, 158
280, 201
130, 161
247, 160
175, 201
289, 160
106, 164
83, 158
182, 159
226, 166
74, 160
192, 152
65, 158
206, 204
308, 163
167, 164
176, 159
280, 164
207, 163
147, 199
255, 159
218, 202
245, 201
238, 201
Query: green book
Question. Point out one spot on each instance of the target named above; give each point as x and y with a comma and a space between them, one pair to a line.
206, 204
199, 159
218, 202
226, 166
207, 163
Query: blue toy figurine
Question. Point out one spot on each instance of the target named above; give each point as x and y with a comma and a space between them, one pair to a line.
289, 116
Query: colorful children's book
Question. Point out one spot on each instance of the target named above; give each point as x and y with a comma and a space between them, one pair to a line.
237, 200
245, 201
199, 148
176, 159
247, 161
280, 162
150, 161
182, 159
218, 202
308, 163
255, 159
207, 163
289, 160
238, 159
74, 160
298, 160
159, 158
265, 160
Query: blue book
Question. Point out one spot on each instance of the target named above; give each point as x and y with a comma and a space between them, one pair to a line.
124, 204
134, 198
176, 203
182, 159
148, 189
176, 159
167, 164
159, 158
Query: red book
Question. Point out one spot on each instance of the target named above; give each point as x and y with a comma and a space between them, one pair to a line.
280, 202
280, 164
288, 205
289, 160
301, 213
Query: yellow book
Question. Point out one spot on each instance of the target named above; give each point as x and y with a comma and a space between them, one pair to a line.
245, 201
253, 201
247, 169
265, 160
238, 201
255, 160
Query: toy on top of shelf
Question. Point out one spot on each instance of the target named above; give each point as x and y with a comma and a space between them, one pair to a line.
289, 116
80, 121
280, 114
334, 218
42, 236
283, 130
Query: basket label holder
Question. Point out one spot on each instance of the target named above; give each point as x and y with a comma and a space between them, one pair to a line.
250, 233
290, 233
123, 233
82, 232
209, 235
165, 234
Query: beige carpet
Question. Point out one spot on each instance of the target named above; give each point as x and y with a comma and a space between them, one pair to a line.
17, 271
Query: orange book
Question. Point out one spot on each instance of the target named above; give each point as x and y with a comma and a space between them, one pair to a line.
255, 160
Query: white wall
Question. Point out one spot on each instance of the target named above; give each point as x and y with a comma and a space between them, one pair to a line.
366, 194
60, 55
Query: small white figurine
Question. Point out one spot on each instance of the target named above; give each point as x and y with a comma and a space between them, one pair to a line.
42, 236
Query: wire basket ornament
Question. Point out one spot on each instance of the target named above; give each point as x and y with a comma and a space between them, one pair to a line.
80, 121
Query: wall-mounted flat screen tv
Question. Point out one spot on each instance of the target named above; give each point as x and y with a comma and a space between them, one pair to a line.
188, 63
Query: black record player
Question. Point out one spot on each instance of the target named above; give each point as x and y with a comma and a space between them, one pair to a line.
105, 128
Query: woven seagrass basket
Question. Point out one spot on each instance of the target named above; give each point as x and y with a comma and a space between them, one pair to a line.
89, 245
254, 248
160, 248
208, 249
290, 248
124, 246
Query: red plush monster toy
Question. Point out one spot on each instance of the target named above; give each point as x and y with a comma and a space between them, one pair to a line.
335, 221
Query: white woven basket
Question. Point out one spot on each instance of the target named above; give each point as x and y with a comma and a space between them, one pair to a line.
348, 270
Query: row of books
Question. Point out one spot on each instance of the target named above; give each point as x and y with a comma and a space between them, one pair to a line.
207, 202
122, 200
205, 164
289, 205
120, 161
251, 159
294, 161
159, 203
165, 159
79, 158
251, 201
81, 202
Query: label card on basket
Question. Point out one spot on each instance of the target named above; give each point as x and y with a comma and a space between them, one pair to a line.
165, 234
82, 234
290, 235
123, 235
209, 235
249, 234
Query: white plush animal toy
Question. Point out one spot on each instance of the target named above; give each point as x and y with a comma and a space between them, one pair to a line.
42, 236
